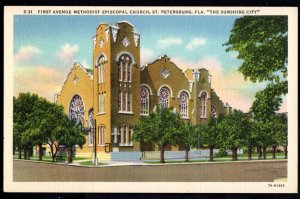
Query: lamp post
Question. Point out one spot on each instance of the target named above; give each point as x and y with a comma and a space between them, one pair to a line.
95, 144
93, 129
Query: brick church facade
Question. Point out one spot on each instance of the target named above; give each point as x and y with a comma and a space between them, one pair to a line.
118, 91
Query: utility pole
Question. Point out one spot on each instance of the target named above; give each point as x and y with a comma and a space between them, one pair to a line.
95, 144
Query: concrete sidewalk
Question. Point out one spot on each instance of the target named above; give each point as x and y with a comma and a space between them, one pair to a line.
110, 163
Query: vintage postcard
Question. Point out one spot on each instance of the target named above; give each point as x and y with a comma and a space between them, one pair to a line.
156, 99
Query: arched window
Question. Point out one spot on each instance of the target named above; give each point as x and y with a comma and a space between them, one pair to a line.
101, 135
90, 126
101, 102
164, 94
101, 70
125, 132
183, 104
124, 68
144, 101
76, 109
203, 98
125, 102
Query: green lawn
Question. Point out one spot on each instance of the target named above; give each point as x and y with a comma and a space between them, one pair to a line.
255, 155
49, 158
279, 156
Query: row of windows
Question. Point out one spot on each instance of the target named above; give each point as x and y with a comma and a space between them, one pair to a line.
125, 102
123, 137
101, 136
124, 69
164, 102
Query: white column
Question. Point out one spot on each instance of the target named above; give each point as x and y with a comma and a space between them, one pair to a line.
122, 135
127, 135
115, 134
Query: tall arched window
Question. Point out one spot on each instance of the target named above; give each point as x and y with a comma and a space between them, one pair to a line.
91, 125
76, 109
125, 132
164, 94
183, 104
101, 135
203, 98
124, 68
101, 70
144, 101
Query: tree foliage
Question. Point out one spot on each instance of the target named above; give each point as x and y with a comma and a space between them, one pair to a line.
189, 137
159, 128
37, 121
211, 134
71, 134
261, 43
233, 128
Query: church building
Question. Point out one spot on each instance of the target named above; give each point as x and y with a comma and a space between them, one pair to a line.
112, 96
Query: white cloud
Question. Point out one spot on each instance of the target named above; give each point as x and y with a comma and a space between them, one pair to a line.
163, 43
26, 53
147, 55
67, 52
195, 43
39, 79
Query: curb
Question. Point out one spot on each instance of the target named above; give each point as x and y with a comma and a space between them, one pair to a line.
157, 164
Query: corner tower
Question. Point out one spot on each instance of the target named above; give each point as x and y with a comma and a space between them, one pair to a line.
116, 60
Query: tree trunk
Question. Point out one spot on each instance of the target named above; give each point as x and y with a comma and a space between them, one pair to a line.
40, 152
234, 154
70, 154
187, 154
285, 152
259, 152
264, 152
162, 154
25, 153
51, 149
273, 152
249, 152
20, 152
28, 154
211, 153
258, 149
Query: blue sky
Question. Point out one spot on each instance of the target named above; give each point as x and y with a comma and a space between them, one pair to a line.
46, 46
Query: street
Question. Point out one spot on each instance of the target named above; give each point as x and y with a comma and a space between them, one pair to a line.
253, 171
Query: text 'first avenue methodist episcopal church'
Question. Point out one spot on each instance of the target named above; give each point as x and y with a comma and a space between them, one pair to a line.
118, 91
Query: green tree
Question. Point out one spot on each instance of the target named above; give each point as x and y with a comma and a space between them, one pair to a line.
36, 122
282, 133
160, 128
279, 133
71, 135
29, 139
261, 43
233, 129
22, 108
39, 112
189, 137
210, 134
250, 139
52, 126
